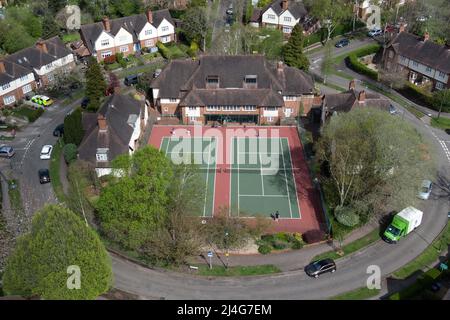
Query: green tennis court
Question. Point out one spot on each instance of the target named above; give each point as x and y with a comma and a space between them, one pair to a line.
262, 178
203, 152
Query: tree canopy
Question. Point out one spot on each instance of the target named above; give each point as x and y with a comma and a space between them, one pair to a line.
195, 25
95, 84
372, 159
73, 127
293, 50
58, 239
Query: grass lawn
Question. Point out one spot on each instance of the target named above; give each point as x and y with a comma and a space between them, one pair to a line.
27, 112
70, 37
54, 171
15, 198
427, 257
221, 271
356, 245
441, 123
176, 52
141, 69
357, 294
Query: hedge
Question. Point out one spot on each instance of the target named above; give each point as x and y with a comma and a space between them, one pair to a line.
357, 66
165, 52
416, 94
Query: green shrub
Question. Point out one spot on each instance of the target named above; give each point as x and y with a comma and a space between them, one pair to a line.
268, 238
416, 93
193, 48
422, 283
264, 249
70, 152
165, 52
282, 236
297, 244
346, 216
279, 245
35, 115
359, 67
120, 60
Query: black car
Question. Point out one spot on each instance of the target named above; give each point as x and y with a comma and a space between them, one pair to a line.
44, 176
59, 130
316, 268
342, 43
130, 80
85, 102
447, 131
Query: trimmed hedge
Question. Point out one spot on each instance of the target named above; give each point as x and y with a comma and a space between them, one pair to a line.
165, 52
354, 63
418, 95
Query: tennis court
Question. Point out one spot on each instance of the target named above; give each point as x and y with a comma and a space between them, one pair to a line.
262, 178
201, 150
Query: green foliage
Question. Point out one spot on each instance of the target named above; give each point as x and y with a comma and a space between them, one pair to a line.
165, 52
280, 241
293, 51
120, 60
193, 48
360, 67
195, 25
264, 249
39, 263
197, 3
31, 114
227, 232
95, 84
347, 216
70, 152
121, 8
73, 127
263, 3
132, 207
423, 282
441, 100
49, 27
272, 44
418, 95
248, 12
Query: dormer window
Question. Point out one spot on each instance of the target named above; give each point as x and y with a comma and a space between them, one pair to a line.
250, 81
212, 81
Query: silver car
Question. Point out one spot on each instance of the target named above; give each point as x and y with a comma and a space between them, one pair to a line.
6, 151
425, 189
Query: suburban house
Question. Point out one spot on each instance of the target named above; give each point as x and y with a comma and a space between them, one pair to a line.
114, 130
419, 59
128, 35
284, 15
365, 7
15, 82
332, 104
232, 89
45, 60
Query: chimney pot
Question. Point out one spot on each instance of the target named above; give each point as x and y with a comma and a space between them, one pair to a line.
284, 4
106, 24
426, 36
280, 66
362, 97
102, 125
2, 67
401, 28
352, 85
41, 46
149, 15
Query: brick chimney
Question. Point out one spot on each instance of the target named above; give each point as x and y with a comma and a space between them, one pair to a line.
106, 24
280, 66
426, 36
284, 4
352, 85
2, 67
402, 28
149, 15
102, 125
362, 97
41, 46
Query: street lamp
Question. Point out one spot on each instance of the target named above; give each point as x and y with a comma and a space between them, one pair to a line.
226, 247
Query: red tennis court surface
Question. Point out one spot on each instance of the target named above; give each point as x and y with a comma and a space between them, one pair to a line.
311, 214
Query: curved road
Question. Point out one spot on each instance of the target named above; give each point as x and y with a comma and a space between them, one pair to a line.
351, 273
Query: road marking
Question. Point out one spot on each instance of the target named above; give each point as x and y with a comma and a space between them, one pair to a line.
27, 147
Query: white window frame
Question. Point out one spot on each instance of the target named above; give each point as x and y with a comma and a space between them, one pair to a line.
101, 157
104, 42
271, 16
148, 32
106, 54
428, 69
249, 108
290, 98
287, 19
270, 108
440, 85
287, 29
24, 78
27, 88
6, 86
124, 49
9, 99
172, 99
269, 119
193, 118
213, 108
165, 28
165, 39
149, 43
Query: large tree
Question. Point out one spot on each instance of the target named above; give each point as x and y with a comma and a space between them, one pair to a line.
331, 13
73, 127
95, 84
40, 264
133, 206
372, 160
293, 50
441, 101
195, 25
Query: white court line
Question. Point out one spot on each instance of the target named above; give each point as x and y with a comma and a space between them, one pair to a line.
285, 178
239, 206
231, 174
264, 195
215, 177
293, 177
207, 176
261, 173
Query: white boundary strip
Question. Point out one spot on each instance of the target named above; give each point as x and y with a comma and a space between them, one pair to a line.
266, 195
285, 178
238, 193
295, 183
215, 176
207, 177
261, 173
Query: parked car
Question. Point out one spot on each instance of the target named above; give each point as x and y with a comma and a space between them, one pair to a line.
425, 189
6, 151
130, 80
375, 32
44, 176
342, 43
229, 11
316, 268
46, 152
392, 109
59, 130
447, 131
42, 100
85, 102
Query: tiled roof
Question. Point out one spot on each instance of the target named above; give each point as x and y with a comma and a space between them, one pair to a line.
296, 8
13, 72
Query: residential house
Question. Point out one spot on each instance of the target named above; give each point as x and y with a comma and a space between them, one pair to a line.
128, 35
284, 15
332, 104
232, 89
15, 82
114, 130
421, 60
45, 59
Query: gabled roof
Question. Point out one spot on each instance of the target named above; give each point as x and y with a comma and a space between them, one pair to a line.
34, 58
117, 110
296, 8
181, 76
12, 72
426, 52
346, 101
133, 24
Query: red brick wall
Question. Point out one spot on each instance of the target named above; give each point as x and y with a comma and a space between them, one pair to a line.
144, 45
171, 109
18, 93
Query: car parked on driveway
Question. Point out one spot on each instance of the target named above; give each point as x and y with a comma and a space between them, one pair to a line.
6, 151
342, 43
44, 176
425, 189
59, 130
375, 32
316, 268
42, 100
130, 80
46, 152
